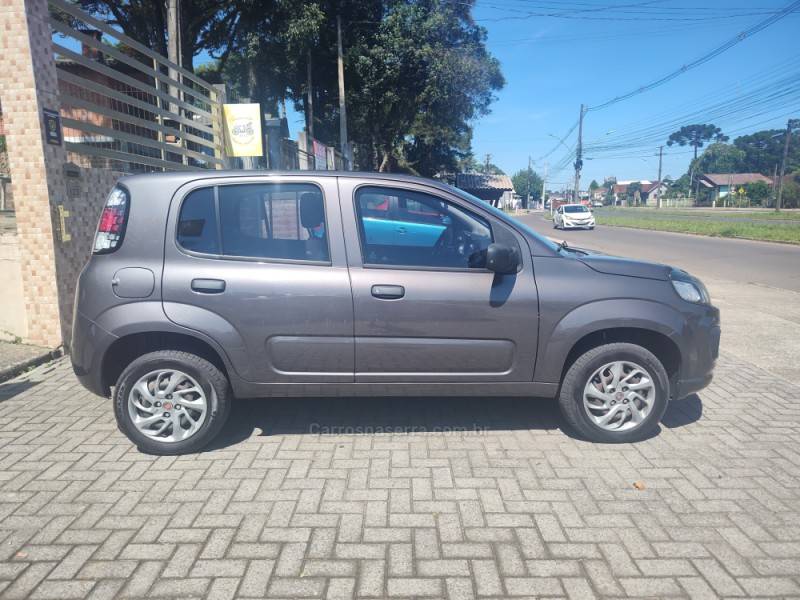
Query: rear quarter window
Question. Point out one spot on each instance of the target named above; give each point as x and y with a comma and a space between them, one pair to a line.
197, 223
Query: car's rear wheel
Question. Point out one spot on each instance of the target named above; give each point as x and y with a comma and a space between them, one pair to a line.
615, 393
171, 402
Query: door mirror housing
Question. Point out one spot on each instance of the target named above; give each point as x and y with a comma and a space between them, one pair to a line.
501, 258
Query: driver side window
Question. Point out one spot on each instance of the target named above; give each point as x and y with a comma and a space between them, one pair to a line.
412, 229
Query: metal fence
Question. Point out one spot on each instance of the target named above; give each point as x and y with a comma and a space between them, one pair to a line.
126, 107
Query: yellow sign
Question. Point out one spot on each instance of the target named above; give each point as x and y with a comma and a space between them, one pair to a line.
63, 215
242, 129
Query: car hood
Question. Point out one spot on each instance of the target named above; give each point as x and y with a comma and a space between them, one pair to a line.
613, 265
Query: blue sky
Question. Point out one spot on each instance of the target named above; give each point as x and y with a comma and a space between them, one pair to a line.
551, 65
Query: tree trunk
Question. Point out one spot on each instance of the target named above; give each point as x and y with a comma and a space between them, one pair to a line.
385, 161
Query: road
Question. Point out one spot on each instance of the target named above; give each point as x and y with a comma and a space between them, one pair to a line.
756, 285
764, 263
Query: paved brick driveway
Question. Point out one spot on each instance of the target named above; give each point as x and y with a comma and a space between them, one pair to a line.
481, 498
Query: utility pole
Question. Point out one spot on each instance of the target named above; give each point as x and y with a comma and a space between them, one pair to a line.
775, 184
309, 100
544, 189
579, 158
790, 125
658, 183
173, 45
342, 110
528, 199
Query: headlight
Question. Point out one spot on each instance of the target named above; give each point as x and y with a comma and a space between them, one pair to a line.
689, 288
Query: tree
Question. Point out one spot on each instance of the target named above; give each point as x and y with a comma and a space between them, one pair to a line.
696, 136
719, 158
524, 178
634, 193
416, 82
758, 192
594, 185
763, 150
204, 25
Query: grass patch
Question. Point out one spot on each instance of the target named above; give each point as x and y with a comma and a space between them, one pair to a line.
717, 227
719, 214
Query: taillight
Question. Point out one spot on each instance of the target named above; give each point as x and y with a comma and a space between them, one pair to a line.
111, 228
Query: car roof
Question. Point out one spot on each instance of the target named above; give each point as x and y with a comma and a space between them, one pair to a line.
178, 178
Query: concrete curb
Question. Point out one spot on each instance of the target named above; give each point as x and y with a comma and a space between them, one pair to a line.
12, 371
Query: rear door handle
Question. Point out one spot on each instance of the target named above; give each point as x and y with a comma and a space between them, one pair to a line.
208, 286
388, 292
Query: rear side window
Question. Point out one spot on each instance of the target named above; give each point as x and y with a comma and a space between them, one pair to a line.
264, 220
197, 225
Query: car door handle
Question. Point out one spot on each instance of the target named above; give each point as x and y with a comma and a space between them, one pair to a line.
208, 286
388, 292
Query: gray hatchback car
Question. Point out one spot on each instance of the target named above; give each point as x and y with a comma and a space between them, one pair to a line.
208, 285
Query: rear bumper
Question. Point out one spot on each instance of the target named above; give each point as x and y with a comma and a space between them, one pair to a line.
89, 343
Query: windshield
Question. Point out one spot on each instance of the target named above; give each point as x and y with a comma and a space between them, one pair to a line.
575, 209
500, 214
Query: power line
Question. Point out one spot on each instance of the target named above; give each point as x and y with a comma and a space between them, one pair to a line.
706, 57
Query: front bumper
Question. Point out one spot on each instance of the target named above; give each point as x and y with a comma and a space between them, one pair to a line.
587, 225
701, 351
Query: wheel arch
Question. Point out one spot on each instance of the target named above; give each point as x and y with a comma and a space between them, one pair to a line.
128, 348
652, 325
664, 348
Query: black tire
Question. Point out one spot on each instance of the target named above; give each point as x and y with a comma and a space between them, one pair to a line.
210, 378
570, 398
555, 225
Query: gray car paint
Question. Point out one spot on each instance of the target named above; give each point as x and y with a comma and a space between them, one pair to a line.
316, 329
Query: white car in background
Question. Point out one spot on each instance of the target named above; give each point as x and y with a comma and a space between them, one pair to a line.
573, 216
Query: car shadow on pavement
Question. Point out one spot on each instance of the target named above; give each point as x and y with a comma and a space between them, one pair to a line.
9, 389
683, 412
382, 415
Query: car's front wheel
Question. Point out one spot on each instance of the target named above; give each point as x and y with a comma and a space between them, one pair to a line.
615, 393
171, 402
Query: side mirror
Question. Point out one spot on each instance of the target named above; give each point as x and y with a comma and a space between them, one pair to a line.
502, 259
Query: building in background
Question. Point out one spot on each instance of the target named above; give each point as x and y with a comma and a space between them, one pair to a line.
497, 190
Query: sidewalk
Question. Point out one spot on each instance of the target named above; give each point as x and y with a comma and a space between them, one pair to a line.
366, 497
16, 358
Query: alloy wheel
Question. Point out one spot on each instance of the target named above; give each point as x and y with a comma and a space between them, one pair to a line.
167, 405
619, 396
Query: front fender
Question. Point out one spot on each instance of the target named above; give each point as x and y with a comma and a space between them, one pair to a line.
598, 316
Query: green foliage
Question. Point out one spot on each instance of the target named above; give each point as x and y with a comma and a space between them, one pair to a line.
206, 24
791, 191
522, 178
719, 158
696, 136
417, 72
594, 185
2, 143
758, 192
418, 80
634, 193
763, 150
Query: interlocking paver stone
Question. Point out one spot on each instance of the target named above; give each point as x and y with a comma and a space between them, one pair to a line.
456, 498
